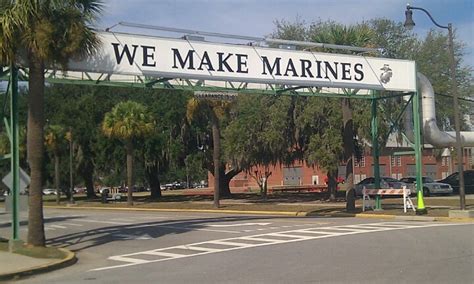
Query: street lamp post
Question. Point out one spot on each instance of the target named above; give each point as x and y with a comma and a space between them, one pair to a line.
452, 63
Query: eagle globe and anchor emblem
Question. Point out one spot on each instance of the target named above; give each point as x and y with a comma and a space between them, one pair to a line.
386, 74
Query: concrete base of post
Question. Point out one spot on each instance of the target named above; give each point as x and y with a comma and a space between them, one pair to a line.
423, 211
461, 213
15, 245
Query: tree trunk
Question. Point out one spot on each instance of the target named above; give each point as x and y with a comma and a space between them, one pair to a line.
56, 178
264, 189
348, 139
151, 170
265, 184
35, 148
129, 172
224, 182
89, 182
85, 169
332, 185
216, 139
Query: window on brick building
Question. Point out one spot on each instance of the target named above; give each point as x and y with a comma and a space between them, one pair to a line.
362, 161
356, 179
399, 161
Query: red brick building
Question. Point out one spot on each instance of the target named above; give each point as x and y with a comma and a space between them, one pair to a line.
436, 164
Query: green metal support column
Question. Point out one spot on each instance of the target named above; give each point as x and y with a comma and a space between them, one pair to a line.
375, 150
15, 166
420, 210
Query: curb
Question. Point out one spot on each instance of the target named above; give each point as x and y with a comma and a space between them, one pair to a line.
415, 218
70, 259
283, 213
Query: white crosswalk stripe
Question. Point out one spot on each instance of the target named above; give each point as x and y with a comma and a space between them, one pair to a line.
198, 248
57, 226
174, 224
208, 247
72, 224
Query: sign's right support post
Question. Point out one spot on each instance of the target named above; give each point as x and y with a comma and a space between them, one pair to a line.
375, 149
421, 209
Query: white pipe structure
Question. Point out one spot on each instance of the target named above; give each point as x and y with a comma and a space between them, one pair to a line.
431, 133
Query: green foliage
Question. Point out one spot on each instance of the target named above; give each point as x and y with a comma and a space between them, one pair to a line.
322, 121
55, 139
128, 121
297, 30
258, 132
194, 167
54, 31
394, 38
329, 32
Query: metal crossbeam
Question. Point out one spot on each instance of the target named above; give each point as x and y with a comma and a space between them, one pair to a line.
133, 81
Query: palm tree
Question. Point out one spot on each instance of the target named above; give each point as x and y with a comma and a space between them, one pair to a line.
41, 34
55, 139
216, 110
128, 121
359, 35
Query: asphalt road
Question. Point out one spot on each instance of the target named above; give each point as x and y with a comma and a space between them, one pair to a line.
144, 247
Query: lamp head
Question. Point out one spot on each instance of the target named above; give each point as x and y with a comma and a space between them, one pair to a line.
409, 24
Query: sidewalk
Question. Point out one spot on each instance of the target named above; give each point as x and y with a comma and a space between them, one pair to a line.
15, 265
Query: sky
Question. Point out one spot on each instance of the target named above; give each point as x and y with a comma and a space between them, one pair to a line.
257, 17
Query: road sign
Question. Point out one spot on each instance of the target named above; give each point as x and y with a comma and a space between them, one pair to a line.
24, 180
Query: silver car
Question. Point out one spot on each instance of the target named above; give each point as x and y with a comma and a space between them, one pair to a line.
49, 191
385, 182
430, 186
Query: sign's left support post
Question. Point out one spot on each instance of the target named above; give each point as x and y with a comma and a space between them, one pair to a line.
15, 163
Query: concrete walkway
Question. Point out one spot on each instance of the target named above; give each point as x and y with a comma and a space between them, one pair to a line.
13, 265
11, 262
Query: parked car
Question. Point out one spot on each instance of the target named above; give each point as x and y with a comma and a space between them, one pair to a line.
385, 182
166, 186
429, 186
49, 191
78, 190
453, 180
174, 185
102, 189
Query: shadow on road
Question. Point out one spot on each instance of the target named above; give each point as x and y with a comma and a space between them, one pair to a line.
118, 233
46, 221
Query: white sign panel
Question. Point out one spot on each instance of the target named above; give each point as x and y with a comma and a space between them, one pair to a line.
179, 58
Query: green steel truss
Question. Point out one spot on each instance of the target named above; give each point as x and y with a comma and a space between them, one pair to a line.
132, 81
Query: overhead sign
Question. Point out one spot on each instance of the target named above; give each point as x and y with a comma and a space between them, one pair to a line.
178, 58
